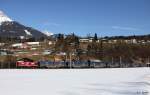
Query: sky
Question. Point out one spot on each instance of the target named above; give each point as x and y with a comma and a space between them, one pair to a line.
82, 17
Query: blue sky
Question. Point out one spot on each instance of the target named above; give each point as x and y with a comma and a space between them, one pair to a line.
104, 17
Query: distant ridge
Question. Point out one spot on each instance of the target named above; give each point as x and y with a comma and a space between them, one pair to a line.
10, 28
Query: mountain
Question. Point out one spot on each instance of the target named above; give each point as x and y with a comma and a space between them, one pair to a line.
10, 28
4, 18
48, 33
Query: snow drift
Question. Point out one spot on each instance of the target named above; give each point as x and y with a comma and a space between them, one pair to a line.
126, 81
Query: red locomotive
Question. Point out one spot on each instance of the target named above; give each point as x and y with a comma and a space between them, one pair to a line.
26, 62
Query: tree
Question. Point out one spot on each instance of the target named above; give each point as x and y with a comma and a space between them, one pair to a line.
95, 37
59, 43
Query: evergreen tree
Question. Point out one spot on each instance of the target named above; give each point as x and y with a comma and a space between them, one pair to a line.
95, 37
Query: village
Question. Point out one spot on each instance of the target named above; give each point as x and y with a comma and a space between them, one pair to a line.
74, 52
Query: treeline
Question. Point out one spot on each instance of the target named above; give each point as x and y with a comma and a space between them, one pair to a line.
124, 52
108, 52
127, 53
67, 44
138, 37
19, 40
57, 36
8, 61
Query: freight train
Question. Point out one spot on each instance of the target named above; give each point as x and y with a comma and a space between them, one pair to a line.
29, 63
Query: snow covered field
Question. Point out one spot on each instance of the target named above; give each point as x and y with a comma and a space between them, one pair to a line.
116, 81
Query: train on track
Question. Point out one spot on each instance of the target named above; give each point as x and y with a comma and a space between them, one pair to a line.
29, 63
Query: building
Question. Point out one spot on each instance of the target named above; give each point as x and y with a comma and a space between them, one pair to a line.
2, 44
5, 52
33, 43
26, 45
19, 45
83, 40
87, 40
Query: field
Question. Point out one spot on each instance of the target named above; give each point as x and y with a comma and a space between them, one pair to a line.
116, 81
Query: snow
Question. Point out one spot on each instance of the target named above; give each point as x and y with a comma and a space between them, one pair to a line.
27, 32
117, 81
4, 18
48, 33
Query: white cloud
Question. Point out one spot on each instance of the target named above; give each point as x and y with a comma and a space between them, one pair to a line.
125, 28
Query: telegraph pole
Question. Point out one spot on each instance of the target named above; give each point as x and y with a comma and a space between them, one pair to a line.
102, 53
148, 63
120, 61
112, 60
70, 59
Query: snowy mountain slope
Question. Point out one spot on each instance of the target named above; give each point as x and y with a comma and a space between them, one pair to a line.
27, 32
48, 33
15, 29
4, 18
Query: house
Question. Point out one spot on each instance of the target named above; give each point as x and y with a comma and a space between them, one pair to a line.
2, 44
134, 41
131, 41
33, 43
5, 52
51, 42
2, 52
47, 52
26, 45
84, 40
19, 45
61, 53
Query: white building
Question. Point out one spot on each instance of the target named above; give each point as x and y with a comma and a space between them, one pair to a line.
83, 40
33, 43
86, 40
17, 45
51, 42
2, 44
